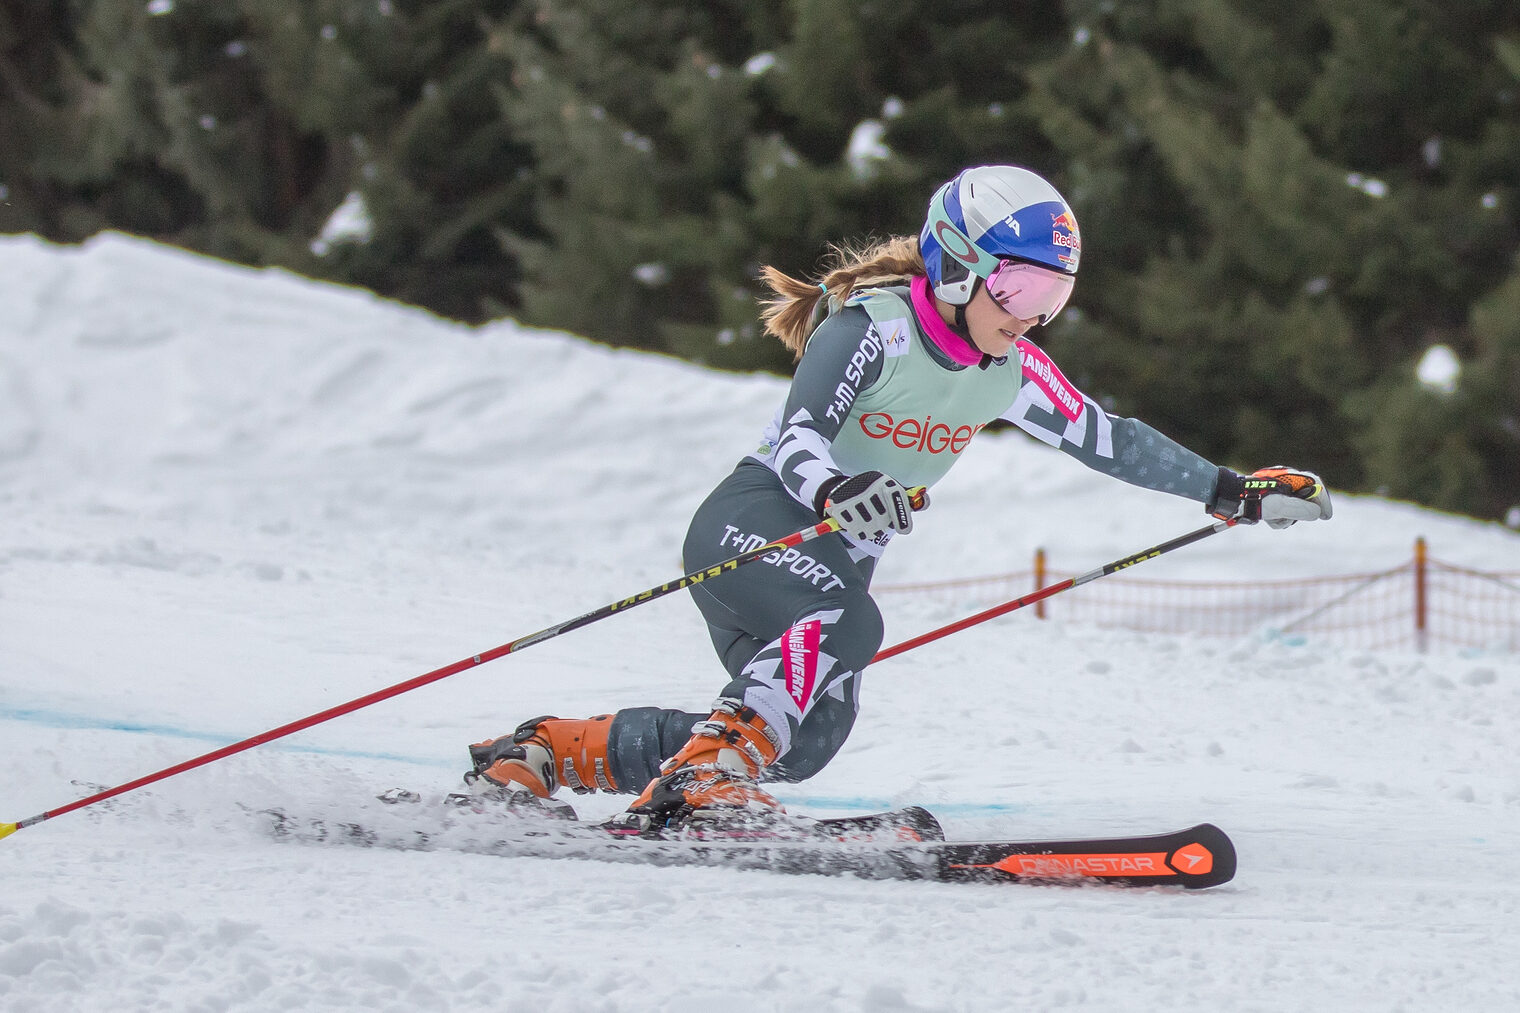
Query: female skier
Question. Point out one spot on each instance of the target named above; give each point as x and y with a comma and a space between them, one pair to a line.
923, 344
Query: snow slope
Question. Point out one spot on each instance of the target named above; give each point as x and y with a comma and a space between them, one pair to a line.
231, 498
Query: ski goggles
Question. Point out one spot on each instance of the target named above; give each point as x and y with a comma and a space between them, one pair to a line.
1029, 292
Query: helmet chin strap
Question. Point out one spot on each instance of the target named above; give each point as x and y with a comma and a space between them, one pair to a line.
963, 331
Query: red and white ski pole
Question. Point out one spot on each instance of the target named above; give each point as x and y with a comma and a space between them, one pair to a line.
1056, 588
622, 605
916, 497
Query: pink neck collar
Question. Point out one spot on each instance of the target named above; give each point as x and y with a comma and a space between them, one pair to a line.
945, 339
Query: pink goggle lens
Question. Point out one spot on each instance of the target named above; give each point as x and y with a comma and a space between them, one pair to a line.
1030, 292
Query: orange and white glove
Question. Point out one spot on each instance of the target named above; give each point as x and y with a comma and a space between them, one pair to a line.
1278, 495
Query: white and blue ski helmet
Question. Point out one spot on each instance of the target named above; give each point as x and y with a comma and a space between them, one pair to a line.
992, 213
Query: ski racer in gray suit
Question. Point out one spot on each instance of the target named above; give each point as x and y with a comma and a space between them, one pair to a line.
923, 343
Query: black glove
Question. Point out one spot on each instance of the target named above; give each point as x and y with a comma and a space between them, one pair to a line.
1278, 495
868, 505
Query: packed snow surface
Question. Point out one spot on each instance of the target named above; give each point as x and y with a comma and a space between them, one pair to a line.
234, 498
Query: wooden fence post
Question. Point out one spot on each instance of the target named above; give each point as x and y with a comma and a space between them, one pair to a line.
1039, 581
1421, 633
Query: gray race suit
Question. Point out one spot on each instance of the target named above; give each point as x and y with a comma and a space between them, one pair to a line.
796, 629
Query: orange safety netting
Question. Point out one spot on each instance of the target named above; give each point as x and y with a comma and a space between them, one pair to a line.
1422, 604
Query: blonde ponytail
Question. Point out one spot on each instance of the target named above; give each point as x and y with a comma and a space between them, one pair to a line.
789, 315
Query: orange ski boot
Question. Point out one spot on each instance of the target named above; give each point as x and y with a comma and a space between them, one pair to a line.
713, 779
547, 752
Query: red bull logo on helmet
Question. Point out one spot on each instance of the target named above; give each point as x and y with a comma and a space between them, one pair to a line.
1063, 232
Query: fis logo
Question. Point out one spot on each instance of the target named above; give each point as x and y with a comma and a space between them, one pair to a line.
894, 336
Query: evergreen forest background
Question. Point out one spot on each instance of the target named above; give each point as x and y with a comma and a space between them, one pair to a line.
1284, 207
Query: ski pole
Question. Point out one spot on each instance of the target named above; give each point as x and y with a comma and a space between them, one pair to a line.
916, 496
1056, 588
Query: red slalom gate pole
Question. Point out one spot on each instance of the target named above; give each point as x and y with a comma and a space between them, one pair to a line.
1054, 589
827, 527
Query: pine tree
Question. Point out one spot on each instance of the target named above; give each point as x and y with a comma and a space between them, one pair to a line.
1284, 206
237, 129
77, 136
1256, 263
672, 166
426, 156
1492, 420
637, 118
